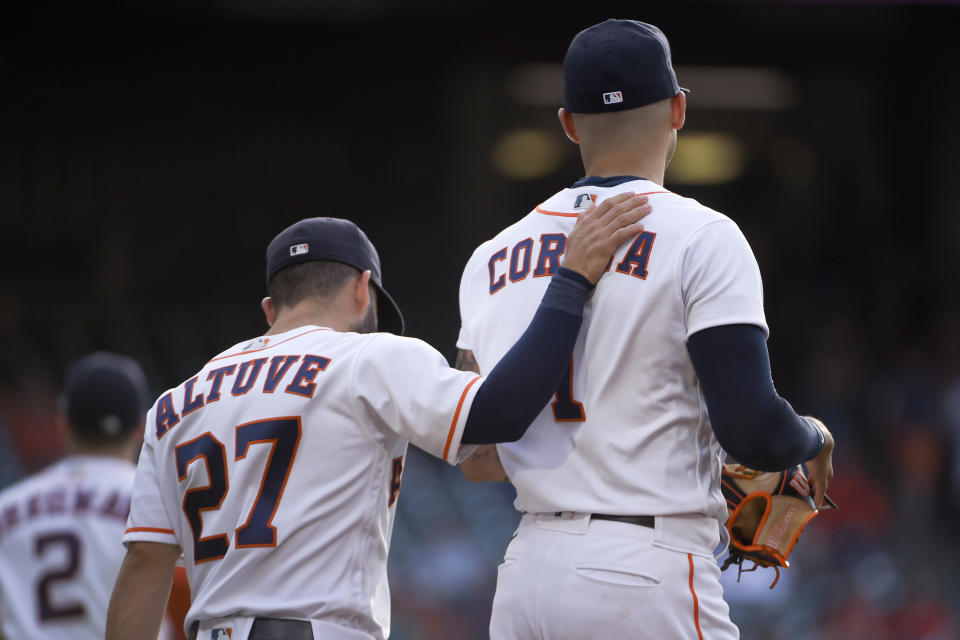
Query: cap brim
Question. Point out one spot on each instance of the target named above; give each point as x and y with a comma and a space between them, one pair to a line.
389, 318
685, 90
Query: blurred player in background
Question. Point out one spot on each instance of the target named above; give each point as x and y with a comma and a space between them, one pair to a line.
619, 477
60, 529
276, 469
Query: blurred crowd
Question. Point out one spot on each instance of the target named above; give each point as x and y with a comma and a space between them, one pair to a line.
883, 567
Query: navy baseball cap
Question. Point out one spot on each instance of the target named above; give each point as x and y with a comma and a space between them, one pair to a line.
105, 396
337, 240
618, 65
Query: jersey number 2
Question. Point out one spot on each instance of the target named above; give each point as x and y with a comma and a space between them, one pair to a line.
283, 436
565, 408
70, 543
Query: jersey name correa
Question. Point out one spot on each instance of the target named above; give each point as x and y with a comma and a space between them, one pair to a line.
277, 467
628, 432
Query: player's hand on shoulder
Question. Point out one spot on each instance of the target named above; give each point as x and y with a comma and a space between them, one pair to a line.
600, 230
820, 467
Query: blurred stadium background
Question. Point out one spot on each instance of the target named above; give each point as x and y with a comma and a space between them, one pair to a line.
150, 149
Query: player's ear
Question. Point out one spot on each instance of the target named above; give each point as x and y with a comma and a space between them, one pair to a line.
268, 310
569, 128
361, 291
678, 110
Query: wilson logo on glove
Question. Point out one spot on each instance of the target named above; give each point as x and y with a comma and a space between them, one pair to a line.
767, 514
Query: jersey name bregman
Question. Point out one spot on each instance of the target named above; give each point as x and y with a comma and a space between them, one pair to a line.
553, 245
62, 501
244, 378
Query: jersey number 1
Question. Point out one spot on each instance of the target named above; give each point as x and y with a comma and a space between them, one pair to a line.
565, 408
283, 436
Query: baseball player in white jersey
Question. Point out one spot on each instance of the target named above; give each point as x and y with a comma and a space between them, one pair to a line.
60, 529
277, 467
619, 476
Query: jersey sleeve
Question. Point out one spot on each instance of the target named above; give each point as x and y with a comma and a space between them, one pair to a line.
465, 339
148, 520
405, 386
720, 279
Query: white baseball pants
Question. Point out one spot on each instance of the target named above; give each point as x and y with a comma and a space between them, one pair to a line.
570, 577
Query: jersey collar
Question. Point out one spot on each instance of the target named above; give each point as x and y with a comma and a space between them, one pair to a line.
597, 181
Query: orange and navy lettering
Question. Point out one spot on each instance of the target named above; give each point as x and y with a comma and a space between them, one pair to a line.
565, 407
278, 368
240, 386
167, 417
552, 246
523, 248
303, 384
248, 373
191, 402
497, 283
283, 436
217, 376
635, 261
209, 497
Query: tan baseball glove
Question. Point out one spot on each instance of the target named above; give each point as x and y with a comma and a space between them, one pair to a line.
767, 513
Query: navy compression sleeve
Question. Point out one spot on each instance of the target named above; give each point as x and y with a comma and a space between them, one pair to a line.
528, 375
750, 419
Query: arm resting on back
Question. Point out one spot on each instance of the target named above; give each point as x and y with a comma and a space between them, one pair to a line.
521, 384
750, 419
483, 464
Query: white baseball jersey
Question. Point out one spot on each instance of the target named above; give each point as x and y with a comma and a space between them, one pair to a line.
628, 433
60, 550
276, 469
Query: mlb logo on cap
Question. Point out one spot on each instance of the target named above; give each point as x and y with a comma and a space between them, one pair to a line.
612, 97
334, 240
628, 54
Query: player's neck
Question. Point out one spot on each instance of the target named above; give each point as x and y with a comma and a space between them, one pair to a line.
627, 153
625, 164
122, 450
306, 314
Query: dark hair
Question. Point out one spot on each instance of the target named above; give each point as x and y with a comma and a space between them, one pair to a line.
314, 279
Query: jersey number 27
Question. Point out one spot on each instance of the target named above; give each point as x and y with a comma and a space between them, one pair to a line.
283, 436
